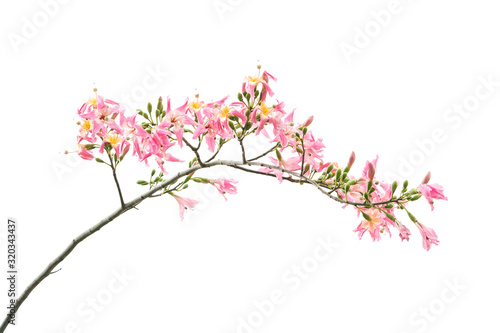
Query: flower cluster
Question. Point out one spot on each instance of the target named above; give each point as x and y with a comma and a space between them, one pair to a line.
106, 128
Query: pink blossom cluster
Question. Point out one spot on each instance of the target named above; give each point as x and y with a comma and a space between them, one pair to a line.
104, 126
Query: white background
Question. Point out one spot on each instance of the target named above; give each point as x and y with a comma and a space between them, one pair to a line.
204, 273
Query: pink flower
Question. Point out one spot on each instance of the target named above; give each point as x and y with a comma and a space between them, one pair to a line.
184, 203
373, 224
291, 164
429, 236
431, 192
224, 186
370, 168
252, 81
404, 232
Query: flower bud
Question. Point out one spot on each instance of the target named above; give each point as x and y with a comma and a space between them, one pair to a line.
159, 106
394, 186
338, 174
352, 158
98, 160
124, 152
240, 97
308, 121
330, 168
371, 171
426, 178
415, 197
390, 216
306, 168
352, 182
405, 186
150, 107
366, 216
369, 185
278, 155
413, 218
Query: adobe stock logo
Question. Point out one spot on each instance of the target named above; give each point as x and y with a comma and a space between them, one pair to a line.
95, 305
363, 37
31, 26
429, 313
224, 6
293, 278
453, 118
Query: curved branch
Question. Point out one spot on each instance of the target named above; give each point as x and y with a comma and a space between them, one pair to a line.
133, 203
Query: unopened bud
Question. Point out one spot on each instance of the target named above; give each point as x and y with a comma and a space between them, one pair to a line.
352, 158
338, 174
366, 216
124, 152
415, 197
371, 171
394, 186
390, 216
308, 121
426, 178
413, 218
306, 168
330, 168
278, 155
352, 182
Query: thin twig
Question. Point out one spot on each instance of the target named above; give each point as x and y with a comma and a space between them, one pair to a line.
195, 150
113, 167
303, 157
264, 154
243, 157
216, 153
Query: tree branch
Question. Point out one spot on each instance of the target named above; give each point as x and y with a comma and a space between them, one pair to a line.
133, 203
264, 154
